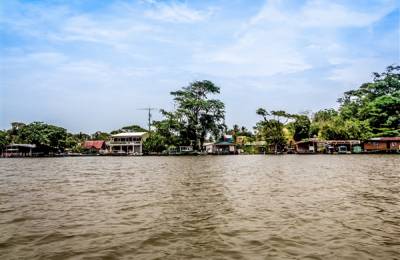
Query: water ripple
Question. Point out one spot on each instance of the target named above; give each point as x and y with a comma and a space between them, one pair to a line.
228, 207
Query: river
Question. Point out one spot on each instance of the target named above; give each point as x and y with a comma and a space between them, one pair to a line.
205, 207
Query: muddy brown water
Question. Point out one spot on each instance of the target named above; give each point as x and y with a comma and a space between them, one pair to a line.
207, 207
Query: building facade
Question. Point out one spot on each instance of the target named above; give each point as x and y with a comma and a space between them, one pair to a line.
19, 150
220, 148
382, 144
127, 143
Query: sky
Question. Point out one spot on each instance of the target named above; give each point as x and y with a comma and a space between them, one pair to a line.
90, 65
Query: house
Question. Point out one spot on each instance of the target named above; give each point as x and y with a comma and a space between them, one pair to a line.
95, 146
19, 150
342, 146
313, 145
382, 144
130, 143
185, 149
220, 148
308, 146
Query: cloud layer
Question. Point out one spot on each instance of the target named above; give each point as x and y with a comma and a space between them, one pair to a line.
89, 66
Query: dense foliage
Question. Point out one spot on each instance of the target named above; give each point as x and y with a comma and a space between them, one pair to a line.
371, 110
49, 138
271, 128
129, 128
44, 136
196, 118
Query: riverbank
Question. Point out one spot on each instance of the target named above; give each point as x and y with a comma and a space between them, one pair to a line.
194, 155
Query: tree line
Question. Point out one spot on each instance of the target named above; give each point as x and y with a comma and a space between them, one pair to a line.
371, 110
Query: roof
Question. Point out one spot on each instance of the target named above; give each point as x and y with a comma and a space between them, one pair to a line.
207, 144
22, 145
224, 143
314, 140
342, 142
97, 144
130, 134
308, 140
385, 139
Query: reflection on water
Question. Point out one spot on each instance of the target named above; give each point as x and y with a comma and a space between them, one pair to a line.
211, 207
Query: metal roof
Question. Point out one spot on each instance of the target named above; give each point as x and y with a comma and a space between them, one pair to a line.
22, 145
97, 144
224, 143
385, 139
313, 140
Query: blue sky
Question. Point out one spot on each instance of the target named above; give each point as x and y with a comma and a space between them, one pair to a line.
88, 65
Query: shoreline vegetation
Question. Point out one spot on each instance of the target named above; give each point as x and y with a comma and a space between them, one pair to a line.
368, 113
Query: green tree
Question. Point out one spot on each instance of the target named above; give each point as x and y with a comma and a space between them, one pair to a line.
300, 127
47, 137
197, 114
155, 143
129, 128
100, 136
239, 131
272, 130
324, 115
171, 129
376, 104
3, 140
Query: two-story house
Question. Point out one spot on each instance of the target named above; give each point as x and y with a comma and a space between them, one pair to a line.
127, 143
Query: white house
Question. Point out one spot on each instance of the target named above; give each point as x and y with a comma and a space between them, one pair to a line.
220, 148
127, 143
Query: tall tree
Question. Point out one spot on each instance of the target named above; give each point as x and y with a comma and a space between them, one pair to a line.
99, 135
300, 127
272, 130
3, 140
47, 137
199, 115
376, 104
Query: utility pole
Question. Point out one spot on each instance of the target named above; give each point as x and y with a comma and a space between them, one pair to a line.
149, 109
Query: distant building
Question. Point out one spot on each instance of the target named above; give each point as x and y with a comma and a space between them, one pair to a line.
342, 146
220, 148
185, 149
382, 144
127, 143
313, 145
307, 146
95, 146
19, 150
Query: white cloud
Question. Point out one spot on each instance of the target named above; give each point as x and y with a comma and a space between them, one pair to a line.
33, 59
177, 13
318, 13
131, 50
354, 72
281, 39
118, 33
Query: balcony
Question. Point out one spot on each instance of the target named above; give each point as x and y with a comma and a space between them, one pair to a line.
125, 142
